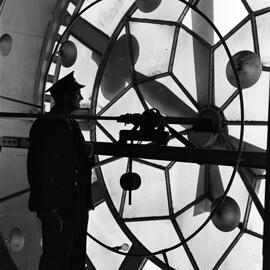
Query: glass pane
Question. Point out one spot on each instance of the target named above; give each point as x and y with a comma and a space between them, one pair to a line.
184, 68
151, 198
255, 102
155, 42
184, 179
258, 4
263, 36
256, 135
155, 235
106, 14
221, 11
103, 227
178, 259
215, 242
251, 249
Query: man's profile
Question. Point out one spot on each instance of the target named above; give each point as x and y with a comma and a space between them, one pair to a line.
59, 174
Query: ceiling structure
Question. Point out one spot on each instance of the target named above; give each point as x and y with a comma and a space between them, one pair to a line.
171, 59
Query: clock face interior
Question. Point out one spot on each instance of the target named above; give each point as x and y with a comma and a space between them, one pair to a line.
133, 57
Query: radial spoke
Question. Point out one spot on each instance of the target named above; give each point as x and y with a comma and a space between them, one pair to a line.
229, 100
209, 184
202, 53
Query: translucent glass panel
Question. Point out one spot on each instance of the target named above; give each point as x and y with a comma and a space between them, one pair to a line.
263, 37
178, 259
256, 135
155, 235
154, 55
151, 198
213, 244
258, 4
103, 227
255, 102
184, 179
184, 67
253, 259
106, 14
223, 10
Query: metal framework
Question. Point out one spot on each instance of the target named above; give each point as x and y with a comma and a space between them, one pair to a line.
225, 157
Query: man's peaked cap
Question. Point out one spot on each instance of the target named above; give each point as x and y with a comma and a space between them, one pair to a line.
65, 84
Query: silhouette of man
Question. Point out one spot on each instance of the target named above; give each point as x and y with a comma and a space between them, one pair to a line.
59, 173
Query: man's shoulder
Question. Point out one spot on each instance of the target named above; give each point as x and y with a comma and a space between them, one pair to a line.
42, 123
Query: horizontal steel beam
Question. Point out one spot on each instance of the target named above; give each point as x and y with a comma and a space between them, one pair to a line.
181, 154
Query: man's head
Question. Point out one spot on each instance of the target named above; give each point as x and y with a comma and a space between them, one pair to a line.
67, 92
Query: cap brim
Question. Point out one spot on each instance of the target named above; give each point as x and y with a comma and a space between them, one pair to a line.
52, 87
80, 85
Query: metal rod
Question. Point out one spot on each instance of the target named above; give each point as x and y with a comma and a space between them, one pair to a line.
247, 123
249, 10
140, 96
104, 130
114, 100
188, 206
105, 161
234, 30
262, 11
168, 119
148, 163
143, 78
21, 102
169, 192
229, 100
229, 249
182, 154
252, 193
266, 227
14, 195
173, 50
185, 246
255, 35
149, 218
254, 234
185, 91
153, 21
